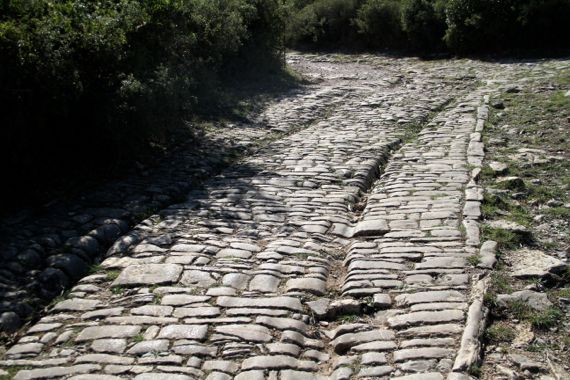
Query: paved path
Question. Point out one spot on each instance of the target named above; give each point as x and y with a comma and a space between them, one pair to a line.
340, 251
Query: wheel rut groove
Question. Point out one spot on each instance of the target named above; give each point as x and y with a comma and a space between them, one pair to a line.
337, 253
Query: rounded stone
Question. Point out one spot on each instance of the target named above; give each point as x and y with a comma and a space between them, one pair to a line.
10, 322
72, 265
52, 282
30, 258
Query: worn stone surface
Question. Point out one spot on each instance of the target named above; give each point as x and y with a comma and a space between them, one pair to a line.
537, 301
338, 250
528, 263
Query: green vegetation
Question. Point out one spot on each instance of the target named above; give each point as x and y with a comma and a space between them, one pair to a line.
505, 238
112, 274
473, 260
117, 290
499, 333
461, 26
12, 371
80, 77
541, 320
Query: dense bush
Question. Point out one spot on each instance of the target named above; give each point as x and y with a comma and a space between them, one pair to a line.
490, 25
462, 26
477, 25
84, 81
322, 23
379, 23
543, 23
423, 21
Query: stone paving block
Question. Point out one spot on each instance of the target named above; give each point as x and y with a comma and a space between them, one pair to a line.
149, 274
193, 332
99, 332
54, 372
250, 333
290, 303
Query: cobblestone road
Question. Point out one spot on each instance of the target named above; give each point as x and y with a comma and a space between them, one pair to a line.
340, 251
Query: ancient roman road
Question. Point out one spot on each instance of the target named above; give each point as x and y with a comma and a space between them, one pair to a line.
340, 250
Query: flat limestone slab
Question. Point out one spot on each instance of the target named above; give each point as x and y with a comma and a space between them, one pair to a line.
373, 227
533, 263
149, 274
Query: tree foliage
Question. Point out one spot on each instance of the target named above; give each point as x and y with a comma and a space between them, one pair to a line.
81, 77
462, 26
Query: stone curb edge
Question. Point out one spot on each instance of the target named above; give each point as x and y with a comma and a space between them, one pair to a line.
469, 351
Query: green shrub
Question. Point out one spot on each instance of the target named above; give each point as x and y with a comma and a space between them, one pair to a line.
78, 77
479, 25
543, 23
424, 24
486, 25
326, 23
379, 21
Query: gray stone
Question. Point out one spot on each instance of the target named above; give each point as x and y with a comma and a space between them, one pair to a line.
422, 353
375, 372
421, 376
196, 312
344, 342
343, 306
425, 317
116, 346
236, 280
10, 322
264, 283
435, 330
100, 332
104, 359
162, 376
197, 278
70, 264
510, 226
498, 168
183, 299
319, 307
430, 296
371, 228
537, 301
371, 358
308, 284
525, 363
250, 333
149, 274
487, 254
527, 263
145, 347
77, 304
194, 332
220, 365
55, 372
24, 349
95, 377
84, 243
153, 310
290, 374
290, 303
277, 362
283, 323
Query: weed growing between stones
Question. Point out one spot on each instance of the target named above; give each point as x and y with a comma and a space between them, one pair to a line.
499, 333
473, 260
